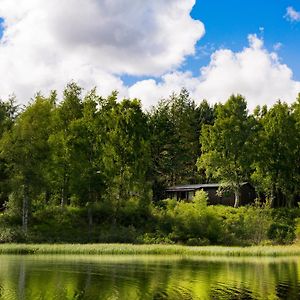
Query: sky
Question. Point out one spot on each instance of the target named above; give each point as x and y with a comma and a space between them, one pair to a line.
150, 49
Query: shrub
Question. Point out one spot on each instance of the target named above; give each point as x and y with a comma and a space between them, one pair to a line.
244, 225
297, 231
283, 227
257, 222
192, 221
154, 238
117, 234
11, 235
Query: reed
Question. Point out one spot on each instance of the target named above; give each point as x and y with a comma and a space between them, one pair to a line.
129, 249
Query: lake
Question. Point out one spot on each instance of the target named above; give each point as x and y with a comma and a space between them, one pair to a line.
147, 277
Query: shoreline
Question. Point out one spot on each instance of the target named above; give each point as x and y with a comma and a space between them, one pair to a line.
153, 249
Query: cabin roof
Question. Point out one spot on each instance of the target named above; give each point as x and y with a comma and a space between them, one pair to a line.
194, 187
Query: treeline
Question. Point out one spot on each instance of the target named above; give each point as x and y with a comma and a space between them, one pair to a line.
262, 148
85, 150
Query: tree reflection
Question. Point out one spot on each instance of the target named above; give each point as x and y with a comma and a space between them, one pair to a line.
59, 277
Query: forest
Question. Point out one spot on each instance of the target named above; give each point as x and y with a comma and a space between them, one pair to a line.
87, 168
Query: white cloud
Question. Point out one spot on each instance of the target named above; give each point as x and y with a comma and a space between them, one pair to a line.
292, 15
48, 43
253, 72
94, 42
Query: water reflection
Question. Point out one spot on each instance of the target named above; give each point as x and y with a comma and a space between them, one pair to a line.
146, 277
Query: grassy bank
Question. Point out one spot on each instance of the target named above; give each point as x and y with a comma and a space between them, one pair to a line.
128, 249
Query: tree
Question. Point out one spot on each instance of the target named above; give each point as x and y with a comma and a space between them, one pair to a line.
205, 114
60, 141
295, 109
175, 125
162, 144
26, 151
226, 145
126, 153
185, 119
276, 155
85, 140
8, 113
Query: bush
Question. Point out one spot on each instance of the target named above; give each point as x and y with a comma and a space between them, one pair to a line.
282, 233
12, 235
247, 225
191, 221
297, 231
154, 238
117, 234
257, 222
195, 223
197, 242
283, 227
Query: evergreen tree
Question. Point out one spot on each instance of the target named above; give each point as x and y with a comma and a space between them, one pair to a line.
175, 126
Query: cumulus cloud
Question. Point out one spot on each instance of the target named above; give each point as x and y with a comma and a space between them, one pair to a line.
292, 15
253, 72
47, 43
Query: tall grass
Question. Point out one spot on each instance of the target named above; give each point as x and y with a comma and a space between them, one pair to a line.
128, 249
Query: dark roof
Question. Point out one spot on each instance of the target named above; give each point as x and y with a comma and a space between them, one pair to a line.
194, 187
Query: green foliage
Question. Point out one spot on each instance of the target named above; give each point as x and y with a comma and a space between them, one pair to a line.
86, 168
194, 223
283, 226
190, 223
126, 154
11, 235
201, 199
276, 173
8, 113
25, 149
191, 220
175, 126
226, 145
297, 231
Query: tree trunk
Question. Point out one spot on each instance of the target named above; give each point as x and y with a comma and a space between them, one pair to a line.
237, 197
25, 209
272, 198
63, 197
120, 195
63, 201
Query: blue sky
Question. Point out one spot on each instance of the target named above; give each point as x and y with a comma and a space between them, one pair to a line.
228, 23
149, 49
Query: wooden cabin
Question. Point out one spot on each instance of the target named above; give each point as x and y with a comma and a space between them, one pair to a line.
187, 192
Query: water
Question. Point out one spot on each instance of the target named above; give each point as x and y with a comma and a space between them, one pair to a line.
147, 277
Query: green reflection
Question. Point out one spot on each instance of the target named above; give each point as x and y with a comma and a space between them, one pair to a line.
147, 277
